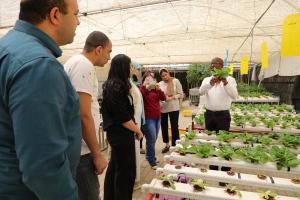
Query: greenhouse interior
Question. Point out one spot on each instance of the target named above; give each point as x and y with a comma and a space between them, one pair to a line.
165, 99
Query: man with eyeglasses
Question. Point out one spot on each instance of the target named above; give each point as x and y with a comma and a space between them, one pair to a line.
219, 93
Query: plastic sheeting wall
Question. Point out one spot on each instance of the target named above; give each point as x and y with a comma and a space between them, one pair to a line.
176, 31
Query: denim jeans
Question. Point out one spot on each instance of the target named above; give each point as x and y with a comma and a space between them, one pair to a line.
87, 180
151, 129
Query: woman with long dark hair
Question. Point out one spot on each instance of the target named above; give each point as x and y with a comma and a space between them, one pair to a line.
118, 121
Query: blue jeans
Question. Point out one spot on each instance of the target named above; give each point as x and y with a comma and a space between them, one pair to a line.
87, 180
151, 129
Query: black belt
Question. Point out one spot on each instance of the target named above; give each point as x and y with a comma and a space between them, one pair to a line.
217, 112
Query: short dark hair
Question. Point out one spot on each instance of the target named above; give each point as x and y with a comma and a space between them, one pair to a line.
36, 11
217, 60
119, 71
95, 39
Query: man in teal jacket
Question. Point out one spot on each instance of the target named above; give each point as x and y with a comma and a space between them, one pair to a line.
40, 129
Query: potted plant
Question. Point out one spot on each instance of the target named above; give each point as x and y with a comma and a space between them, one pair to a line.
198, 185
232, 190
167, 181
268, 195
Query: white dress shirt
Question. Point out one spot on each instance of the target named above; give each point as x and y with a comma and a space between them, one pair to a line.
218, 97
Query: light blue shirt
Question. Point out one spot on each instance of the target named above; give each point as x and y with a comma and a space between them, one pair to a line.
40, 129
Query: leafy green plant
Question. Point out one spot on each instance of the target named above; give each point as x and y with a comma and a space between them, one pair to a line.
257, 155
270, 123
225, 137
253, 122
297, 125
190, 135
220, 73
247, 139
265, 140
184, 149
200, 119
198, 184
204, 150
283, 157
239, 120
226, 152
268, 195
233, 190
284, 125
289, 140
196, 73
168, 181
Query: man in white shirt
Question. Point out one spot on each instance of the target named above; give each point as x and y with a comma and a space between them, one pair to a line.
81, 71
219, 95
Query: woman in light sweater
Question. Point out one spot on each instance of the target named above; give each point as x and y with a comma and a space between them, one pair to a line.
173, 91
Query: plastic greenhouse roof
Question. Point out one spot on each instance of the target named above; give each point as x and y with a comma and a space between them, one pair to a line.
176, 31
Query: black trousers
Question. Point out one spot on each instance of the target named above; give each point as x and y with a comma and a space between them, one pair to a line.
174, 116
217, 120
86, 179
121, 171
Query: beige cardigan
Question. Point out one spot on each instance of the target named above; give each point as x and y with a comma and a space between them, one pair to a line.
174, 104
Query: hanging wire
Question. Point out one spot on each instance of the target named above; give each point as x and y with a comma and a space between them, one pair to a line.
251, 31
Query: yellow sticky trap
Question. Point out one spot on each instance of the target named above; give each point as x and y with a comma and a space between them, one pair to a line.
244, 65
230, 69
290, 36
264, 56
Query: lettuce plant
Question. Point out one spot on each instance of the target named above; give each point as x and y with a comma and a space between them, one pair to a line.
225, 137
198, 185
233, 190
190, 135
247, 139
289, 140
283, 157
204, 150
268, 195
257, 155
265, 140
226, 152
168, 181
